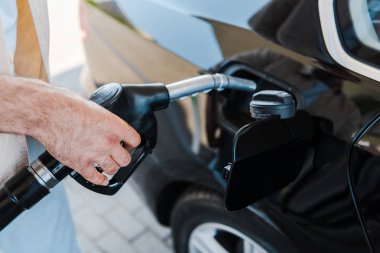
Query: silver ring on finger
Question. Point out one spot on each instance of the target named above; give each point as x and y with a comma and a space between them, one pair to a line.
97, 167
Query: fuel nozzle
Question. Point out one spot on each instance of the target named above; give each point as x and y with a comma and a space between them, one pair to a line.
206, 83
134, 103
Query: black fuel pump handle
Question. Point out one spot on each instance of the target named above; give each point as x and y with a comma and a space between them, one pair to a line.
135, 104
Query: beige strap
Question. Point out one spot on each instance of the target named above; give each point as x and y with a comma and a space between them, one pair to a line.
28, 59
39, 9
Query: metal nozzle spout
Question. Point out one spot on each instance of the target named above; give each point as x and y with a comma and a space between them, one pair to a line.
206, 83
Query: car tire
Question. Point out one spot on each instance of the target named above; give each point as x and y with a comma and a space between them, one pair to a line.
200, 223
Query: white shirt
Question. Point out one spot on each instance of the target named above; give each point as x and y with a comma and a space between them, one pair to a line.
13, 148
8, 14
13, 152
8, 30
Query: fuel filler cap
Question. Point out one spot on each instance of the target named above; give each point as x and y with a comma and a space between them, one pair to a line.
268, 103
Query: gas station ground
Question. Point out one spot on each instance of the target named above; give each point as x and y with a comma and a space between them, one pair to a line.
115, 224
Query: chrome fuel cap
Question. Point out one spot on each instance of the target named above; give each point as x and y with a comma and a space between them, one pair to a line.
269, 103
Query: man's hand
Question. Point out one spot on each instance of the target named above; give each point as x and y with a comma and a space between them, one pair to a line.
77, 132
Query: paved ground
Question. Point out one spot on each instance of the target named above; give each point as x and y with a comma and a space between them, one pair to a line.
117, 224
121, 223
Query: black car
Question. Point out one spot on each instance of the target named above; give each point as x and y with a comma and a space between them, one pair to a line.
298, 193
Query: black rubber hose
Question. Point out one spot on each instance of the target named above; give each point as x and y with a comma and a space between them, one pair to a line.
9, 209
20, 192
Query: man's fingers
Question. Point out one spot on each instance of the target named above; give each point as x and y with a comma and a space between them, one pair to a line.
93, 176
131, 138
121, 156
109, 165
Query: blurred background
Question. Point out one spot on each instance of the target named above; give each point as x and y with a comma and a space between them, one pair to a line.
121, 223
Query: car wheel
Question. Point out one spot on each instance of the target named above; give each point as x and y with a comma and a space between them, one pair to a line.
200, 224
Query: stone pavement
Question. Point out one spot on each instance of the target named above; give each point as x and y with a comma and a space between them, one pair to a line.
115, 224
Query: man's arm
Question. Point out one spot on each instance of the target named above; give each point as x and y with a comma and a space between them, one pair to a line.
77, 132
